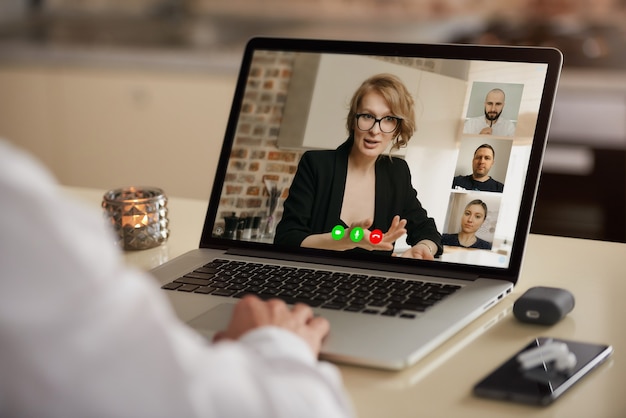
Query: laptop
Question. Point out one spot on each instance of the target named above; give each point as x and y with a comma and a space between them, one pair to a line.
292, 99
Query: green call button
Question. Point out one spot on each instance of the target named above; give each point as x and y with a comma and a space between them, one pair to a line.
337, 232
356, 234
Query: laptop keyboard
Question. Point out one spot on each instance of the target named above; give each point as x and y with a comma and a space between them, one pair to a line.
367, 294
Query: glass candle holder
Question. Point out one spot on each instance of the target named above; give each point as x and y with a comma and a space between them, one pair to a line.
138, 216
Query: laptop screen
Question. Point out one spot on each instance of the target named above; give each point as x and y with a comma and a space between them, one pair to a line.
381, 152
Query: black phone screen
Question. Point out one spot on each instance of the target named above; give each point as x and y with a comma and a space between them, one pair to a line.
543, 384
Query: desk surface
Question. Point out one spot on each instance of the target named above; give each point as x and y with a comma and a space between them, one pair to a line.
440, 384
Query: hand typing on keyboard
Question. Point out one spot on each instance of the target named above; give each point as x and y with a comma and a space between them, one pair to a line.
251, 312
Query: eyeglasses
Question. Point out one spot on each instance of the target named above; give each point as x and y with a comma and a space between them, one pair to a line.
387, 124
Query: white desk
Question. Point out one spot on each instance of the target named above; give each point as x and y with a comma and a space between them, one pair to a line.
440, 385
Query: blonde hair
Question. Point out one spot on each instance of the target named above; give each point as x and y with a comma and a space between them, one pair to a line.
398, 99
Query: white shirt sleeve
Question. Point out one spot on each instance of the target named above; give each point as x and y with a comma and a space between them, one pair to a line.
473, 126
82, 335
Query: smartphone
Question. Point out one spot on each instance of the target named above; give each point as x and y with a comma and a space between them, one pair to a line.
544, 383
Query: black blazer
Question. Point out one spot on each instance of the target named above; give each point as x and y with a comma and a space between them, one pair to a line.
316, 194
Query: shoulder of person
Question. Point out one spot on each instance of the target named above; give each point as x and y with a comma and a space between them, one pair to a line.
395, 165
449, 239
499, 185
483, 244
319, 155
463, 179
319, 163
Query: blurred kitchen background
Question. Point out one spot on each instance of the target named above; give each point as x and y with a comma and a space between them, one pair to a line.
113, 92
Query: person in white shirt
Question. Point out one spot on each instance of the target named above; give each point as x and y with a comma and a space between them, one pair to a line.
491, 123
83, 335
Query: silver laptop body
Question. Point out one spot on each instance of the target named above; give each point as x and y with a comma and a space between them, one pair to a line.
286, 90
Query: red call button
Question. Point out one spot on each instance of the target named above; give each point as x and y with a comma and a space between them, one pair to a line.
376, 236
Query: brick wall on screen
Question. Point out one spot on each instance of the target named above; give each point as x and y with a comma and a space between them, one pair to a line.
255, 156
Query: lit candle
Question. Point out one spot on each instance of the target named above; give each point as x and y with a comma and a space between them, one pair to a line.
134, 215
138, 216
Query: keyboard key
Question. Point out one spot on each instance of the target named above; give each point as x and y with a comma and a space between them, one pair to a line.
224, 292
370, 311
171, 286
187, 288
191, 280
390, 312
220, 284
200, 275
333, 305
206, 270
205, 290
216, 263
421, 307
354, 308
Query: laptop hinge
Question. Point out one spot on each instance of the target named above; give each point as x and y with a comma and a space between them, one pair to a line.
415, 270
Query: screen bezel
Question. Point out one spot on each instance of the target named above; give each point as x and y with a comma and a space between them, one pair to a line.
549, 56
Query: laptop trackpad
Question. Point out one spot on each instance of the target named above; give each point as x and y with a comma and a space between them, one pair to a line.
213, 320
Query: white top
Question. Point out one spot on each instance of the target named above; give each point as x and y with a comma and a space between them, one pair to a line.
82, 335
502, 127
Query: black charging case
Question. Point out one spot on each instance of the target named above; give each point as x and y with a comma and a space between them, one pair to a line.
543, 305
